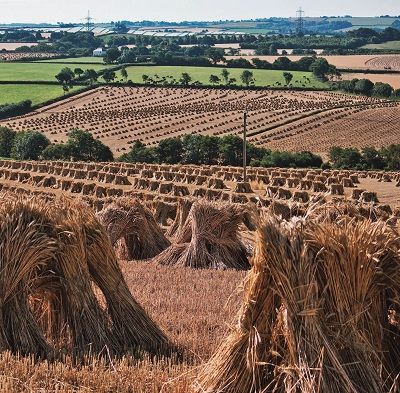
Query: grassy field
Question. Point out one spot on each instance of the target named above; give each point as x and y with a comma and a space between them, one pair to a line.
35, 93
202, 74
36, 71
82, 60
390, 45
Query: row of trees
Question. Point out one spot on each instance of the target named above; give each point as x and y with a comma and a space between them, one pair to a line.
213, 150
246, 77
171, 54
317, 65
20, 108
68, 77
33, 145
368, 158
367, 88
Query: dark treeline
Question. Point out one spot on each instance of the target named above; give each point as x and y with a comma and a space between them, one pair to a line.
11, 110
33, 145
387, 158
213, 150
367, 88
191, 149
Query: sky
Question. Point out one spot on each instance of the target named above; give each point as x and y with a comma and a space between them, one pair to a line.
52, 11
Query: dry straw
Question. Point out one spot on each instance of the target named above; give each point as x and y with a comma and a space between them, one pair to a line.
127, 219
209, 237
53, 255
316, 312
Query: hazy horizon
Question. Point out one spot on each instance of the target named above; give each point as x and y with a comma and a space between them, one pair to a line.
46, 11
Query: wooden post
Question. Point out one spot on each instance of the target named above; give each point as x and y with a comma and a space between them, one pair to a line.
244, 146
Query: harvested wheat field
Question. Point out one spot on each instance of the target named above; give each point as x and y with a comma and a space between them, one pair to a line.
376, 125
119, 116
16, 56
359, 62
392, 78
169, 278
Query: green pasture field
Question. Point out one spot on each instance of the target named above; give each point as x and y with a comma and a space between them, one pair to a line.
83, 60
390, 45
10, 94
36, 71
202, 74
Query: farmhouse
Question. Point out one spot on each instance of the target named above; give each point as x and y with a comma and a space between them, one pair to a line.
99, 52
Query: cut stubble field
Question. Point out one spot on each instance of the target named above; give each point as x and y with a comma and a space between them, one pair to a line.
194, 308
282, 120
82, 60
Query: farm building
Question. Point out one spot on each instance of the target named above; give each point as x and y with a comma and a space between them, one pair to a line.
99, 52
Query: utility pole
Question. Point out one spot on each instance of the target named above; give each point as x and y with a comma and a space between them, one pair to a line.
300, 22
88, 21
244, 146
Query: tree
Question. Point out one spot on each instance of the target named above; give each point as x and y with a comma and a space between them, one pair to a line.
185, 79
273, 49
29, 145
169, 151
372, 158
231, 150
108, 75
112, 55
120, 27
364, 86
124, 73
382, 90
214, 79
225, 75
282, 63
79, 72
65, 76
239, 63
216, 55
345, 158
262, 64
320, 67
83, 147
200, 149
145, 78
288, 77
57, 151
139, 153
7, 136
396, 93
392, 156
91, 76
247, 78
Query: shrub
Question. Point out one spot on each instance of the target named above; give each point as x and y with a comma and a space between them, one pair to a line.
7, 137
29, 145
57, 151
10, 110
83, 147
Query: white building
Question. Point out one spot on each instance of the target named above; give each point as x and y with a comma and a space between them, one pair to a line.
99, 52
